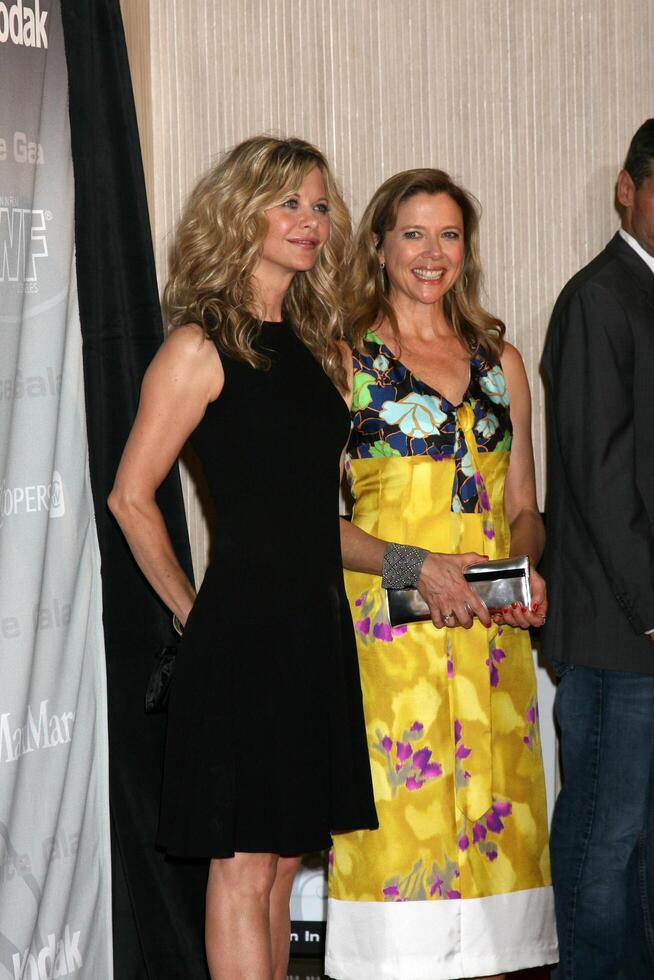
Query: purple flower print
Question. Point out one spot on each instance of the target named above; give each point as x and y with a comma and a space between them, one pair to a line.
496, 656
478, 832
531, 717
493, 822
330, 860
462, 752
428, 770
408, 888
464, 843
450, 658
421, 758
382, 631
436, 886
408, 768
413, 783
431, 771
372, 624
441, 881
482, 492
503, 807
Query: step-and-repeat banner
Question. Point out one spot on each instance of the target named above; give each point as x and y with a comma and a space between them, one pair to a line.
55, 904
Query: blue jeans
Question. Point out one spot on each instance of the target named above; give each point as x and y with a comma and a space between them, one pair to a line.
602, 842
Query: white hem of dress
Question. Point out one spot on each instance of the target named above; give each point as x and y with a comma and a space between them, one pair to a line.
440, 939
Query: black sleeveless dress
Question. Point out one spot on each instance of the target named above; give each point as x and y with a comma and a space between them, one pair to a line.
266, 746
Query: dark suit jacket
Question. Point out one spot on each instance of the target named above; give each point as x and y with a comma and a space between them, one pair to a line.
599, 559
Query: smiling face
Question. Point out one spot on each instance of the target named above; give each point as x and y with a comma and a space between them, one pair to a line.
638, 208
298, 228
424, 252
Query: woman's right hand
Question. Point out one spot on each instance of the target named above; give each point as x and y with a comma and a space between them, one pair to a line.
450, 599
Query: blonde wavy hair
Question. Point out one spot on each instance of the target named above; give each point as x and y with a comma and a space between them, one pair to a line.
367, 287
219, 241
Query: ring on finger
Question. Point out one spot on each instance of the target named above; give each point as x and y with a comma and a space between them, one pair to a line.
446, 618
468, 609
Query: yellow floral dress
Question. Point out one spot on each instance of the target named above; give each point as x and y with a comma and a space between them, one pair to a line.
456, 881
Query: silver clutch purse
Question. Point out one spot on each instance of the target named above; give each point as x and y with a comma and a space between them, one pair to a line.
497, 583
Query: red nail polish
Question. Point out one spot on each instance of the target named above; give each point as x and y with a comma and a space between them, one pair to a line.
506, 609
524, 608
514, 605
535, 606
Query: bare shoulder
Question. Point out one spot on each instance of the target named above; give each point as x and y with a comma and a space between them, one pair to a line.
190, 342
511, 358
188, 356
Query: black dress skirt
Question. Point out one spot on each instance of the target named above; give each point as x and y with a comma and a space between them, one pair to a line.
266, 746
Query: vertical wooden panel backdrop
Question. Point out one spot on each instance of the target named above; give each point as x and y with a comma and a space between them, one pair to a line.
530, 103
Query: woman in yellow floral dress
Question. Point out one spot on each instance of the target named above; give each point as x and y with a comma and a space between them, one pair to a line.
456, 881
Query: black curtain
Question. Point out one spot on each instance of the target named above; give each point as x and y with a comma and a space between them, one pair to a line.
158, 905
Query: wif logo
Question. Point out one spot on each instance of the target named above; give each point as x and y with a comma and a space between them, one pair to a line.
22, 242
22, 25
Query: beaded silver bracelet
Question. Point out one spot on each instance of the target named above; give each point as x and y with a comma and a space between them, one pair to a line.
402, 565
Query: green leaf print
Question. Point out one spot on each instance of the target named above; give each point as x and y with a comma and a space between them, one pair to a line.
504, 444
361, 396
381, 448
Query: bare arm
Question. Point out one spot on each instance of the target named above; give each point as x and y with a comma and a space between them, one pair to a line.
184, 376
525, 522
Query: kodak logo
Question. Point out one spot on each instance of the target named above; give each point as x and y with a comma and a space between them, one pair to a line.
22, 24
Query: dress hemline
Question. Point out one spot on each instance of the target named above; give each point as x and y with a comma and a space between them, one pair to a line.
440, 940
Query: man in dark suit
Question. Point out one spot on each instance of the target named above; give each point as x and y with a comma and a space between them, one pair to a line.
599, 563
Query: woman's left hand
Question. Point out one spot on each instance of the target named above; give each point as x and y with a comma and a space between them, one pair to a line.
521, 616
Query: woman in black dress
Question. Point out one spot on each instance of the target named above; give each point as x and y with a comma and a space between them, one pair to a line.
266, 753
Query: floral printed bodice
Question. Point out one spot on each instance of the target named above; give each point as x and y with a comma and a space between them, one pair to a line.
397, 414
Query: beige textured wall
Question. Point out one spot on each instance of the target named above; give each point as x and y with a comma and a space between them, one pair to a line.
530, 103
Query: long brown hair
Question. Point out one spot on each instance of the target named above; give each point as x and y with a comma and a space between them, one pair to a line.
218, 245
367, 287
